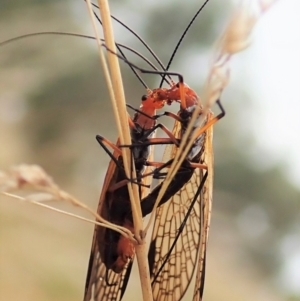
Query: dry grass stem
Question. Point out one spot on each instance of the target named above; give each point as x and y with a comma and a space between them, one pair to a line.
121, 116
116, 92
39, 198
33, 177
112, 88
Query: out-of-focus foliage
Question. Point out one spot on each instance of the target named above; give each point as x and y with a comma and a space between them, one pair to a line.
9, 6
54, 100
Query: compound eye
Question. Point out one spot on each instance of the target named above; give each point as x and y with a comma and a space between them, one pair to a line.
144, 97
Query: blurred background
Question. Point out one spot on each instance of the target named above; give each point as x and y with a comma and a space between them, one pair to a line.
53, 101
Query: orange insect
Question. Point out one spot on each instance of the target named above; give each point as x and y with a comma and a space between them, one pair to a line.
181, 226
185, 216
111, 253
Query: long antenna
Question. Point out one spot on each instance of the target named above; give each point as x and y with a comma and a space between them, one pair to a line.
45, 33
181, 39
138, 37
122, 53
119, 45
143, 42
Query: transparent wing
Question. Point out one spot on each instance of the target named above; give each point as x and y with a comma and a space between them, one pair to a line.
97, 288
171, 283
98, 277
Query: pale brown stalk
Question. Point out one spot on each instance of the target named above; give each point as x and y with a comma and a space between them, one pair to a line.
119, 106
33, 177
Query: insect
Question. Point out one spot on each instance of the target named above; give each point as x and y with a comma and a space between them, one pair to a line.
121, 190
111, 252
181, 226
186, 214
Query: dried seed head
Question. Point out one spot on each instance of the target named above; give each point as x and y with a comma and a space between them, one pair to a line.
7, 182
19, 176
237, 33
235, 38
32, 175
265, 4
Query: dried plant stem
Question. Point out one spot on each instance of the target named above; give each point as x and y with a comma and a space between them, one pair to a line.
20, 198
34, 177
111, 90
118, 102
58, 194
119, 106
65, 196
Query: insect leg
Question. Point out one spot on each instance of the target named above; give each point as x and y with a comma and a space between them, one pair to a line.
102, 141
212, 121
